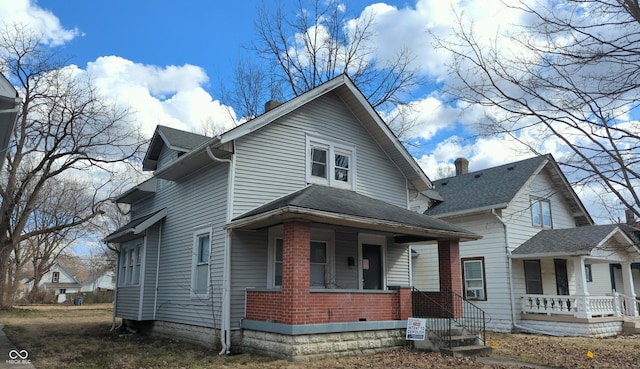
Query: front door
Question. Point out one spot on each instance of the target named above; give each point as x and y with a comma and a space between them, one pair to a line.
562, 281
371, 267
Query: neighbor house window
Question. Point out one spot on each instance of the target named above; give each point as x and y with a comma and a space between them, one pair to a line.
533, 277
201, 251
55, 278
330, 163
63, 291
474, 278
130, 260
541, 212
587, 272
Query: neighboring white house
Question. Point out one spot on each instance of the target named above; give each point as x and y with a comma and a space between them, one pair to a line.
104, 281
541, 265
59, 280
9, 107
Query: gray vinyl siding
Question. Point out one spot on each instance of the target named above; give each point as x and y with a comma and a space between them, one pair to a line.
271, 162
248, 270
149, 276
167, 156
128, 296
346, 246
425, 268
196, 201
397, 265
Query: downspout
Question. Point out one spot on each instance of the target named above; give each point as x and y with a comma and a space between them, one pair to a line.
510, 279
155, 296
225, 331
115, 296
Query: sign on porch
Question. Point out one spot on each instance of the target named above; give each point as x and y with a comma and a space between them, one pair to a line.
416, 329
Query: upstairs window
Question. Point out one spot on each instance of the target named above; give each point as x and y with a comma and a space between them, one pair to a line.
541, 213
55, 277
330, 163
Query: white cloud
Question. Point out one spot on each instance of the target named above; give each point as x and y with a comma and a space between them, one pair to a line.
173, 95
35, 18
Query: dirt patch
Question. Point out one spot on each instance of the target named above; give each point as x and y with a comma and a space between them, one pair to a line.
80, 337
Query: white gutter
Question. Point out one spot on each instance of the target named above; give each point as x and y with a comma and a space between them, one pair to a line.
225, 324
510, 279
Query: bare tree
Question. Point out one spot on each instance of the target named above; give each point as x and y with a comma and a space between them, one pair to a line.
567, 75
65, 130
315, 42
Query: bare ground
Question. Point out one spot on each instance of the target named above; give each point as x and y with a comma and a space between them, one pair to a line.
79, 337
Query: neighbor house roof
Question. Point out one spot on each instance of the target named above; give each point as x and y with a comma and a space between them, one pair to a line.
9, 107
136, 226
571, 241
494, 188
330, 205
174, 139
344, 88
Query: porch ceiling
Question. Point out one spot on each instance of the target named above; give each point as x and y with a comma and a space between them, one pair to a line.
329, 205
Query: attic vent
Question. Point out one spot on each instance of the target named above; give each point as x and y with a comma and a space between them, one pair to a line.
510, 168
478, 175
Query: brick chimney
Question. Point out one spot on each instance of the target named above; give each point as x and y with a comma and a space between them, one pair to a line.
630, 217
271, 104
462, 166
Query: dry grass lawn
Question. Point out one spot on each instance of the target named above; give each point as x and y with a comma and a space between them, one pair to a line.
79, 337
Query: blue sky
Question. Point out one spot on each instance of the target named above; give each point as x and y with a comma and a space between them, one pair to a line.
166, 60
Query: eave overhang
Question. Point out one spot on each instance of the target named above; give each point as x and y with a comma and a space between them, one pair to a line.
138, 192
280, 215
134, 228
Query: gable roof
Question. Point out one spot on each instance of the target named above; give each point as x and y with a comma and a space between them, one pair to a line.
571, 241
494, 188
344, 88
174, 139
331, 205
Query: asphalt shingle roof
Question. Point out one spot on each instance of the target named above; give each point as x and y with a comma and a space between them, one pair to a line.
340, 201
570, 240
484, 188
182, 139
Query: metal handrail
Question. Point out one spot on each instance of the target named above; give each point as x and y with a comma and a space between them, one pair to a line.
435, 307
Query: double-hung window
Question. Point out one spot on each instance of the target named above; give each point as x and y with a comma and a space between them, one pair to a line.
330, 163
319, 267
130, 262
201, 252
540, 212
55, 278
474, 278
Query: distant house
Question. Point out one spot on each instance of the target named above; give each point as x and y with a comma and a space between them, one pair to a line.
59, 281
542, 265
104, 281
290, 229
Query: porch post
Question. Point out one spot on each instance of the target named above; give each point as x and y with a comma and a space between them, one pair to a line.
450, 272
582, 294
295, 271
629, 289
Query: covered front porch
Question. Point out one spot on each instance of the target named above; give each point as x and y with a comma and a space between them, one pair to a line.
336, 273
578, 289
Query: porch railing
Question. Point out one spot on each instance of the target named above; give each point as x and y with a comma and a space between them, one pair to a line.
614, 304
447, 312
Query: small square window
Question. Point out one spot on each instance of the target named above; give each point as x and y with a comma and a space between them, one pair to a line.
330, 163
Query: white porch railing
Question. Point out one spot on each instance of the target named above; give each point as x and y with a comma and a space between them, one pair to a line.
614, 304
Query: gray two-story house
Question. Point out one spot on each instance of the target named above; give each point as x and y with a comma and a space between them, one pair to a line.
288, 235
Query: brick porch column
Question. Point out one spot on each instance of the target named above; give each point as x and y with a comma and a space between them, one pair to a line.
450, 273
406, 302
295, 271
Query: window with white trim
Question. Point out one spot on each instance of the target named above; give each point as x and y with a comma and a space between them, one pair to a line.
55, 278
201, 253
130, 261
540, 212
330, 163
319, 264
474, 278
